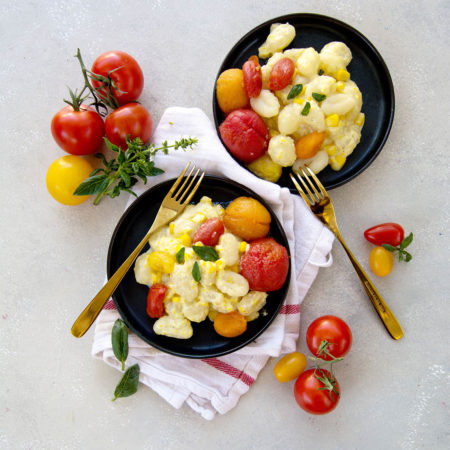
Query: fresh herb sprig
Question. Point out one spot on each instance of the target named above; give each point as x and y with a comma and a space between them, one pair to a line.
122, 172
402, 253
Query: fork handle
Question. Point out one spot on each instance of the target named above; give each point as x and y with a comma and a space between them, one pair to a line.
90, 313
386, 315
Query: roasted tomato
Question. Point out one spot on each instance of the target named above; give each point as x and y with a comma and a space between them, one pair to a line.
209, 232
155, 300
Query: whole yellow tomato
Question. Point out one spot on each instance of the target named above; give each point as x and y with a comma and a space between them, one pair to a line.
290, 366
64, 175
381, 261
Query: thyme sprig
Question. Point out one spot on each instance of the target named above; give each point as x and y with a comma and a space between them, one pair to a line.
123, 171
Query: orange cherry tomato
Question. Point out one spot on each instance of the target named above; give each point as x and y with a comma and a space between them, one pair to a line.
230, 324
290, 366
381, 261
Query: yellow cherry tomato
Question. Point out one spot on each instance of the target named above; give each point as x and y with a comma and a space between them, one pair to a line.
290, 367
381, 261
64, 175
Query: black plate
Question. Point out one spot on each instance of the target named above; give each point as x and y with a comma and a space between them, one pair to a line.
130, 297
367, 69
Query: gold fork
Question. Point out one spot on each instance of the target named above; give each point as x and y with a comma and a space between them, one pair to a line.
172, 205
318, 200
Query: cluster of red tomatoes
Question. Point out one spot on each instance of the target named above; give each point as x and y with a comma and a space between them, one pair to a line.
79, 129
316, 390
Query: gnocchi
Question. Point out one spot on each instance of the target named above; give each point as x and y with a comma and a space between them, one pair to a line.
219, 287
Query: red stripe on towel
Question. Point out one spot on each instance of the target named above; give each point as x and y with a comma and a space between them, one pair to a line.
110, 304
290, 309
230, 370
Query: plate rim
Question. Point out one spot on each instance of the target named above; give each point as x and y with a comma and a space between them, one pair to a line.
136, 203
380, 60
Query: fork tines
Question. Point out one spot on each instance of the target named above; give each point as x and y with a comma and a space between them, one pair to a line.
179, 194
310, 191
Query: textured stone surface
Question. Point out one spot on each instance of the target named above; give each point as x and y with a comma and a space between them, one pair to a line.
55, 396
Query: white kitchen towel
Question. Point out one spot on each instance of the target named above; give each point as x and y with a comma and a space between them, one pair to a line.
214, 385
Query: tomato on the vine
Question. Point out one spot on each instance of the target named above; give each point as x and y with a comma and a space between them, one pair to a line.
381, 261
155, 300
334, 331
78, 132
131, 120
316, 396
125, 72
385, 233
64, 175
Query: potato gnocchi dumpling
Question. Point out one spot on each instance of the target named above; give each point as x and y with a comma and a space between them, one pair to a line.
320, 97
200, 281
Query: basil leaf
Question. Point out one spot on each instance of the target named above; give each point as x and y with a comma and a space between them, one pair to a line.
196, 272
408, 239
295, 91
180, 256
306, 108
408, 256
389, 247
128, 385
92, 185
206, 253
119, 340
318, 97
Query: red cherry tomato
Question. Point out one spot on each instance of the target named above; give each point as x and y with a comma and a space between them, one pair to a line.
252, 77
133, 120
385, 233
209, 232
78, 132
281, 74
155, 300
128, 77
310, 396
332, 329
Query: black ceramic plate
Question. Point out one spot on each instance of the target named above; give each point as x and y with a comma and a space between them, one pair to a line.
130, 297
367, 69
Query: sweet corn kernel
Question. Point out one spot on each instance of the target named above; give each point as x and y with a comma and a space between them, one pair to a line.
309, 99
176, 299
340, 85
171, 227
300, 101
342, 75
235, 268
161, 262
330, 149
156, 278
199, 218
333, 120
198, 244
274, 133
186, 240
243, 246
336, 162
360, 119
219, 264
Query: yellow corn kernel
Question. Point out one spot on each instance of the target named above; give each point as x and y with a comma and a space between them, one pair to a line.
360, 119
342, 75
330, 149
336, 162
300, 101
340, 85
242, 246
176, 299
274, 133
156, 278
198, 244
161, 262
185, 240
333, 120
199, 218
309, 99
234, 268
219, 264
171, 227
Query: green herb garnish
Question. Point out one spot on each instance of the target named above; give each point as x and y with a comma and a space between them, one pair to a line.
297, 89
206, 253
196, 272
321, 72
180, 255
122, 172
318, 97
119, 340
128, 385
402, 253
306, 108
